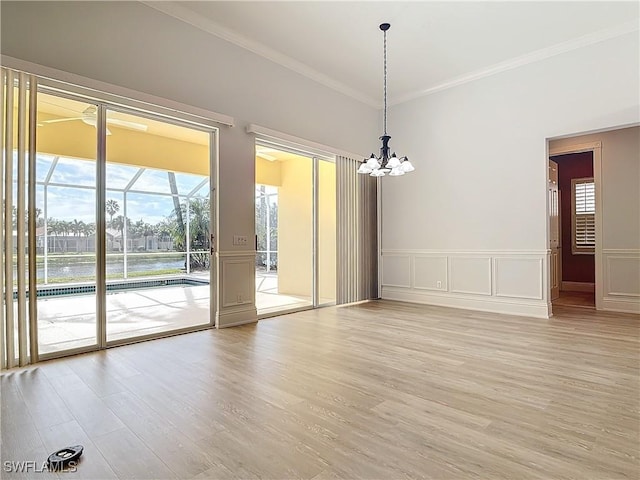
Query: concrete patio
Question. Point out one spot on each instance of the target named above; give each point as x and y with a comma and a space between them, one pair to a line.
69, 321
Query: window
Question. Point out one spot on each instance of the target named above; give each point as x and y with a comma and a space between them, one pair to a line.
583, 232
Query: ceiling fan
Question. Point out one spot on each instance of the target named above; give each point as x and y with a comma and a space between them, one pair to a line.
90, 116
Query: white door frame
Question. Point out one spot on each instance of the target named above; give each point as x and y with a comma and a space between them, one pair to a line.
596, 148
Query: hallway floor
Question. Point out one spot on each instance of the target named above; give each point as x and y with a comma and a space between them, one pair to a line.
576, 299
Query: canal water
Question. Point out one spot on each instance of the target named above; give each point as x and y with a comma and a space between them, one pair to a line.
72, 269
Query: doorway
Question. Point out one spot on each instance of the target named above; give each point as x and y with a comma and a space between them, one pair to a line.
295, 196
574, 225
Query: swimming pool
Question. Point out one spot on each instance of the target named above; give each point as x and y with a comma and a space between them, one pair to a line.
123, 285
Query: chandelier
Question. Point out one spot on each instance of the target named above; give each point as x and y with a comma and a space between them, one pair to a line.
379, 166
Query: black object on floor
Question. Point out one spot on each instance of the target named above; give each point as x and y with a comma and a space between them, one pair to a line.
62, 458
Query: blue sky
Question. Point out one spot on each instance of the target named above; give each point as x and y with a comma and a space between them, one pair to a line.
68, 203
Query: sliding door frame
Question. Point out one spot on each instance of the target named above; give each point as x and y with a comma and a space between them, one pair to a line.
87, 96
315, 242
43, 88
315, 156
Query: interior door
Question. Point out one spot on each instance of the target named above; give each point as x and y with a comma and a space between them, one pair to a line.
554, 231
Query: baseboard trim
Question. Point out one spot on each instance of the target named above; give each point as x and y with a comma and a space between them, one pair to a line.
237, 317
622, 306
539, 309
578, 287
351, 304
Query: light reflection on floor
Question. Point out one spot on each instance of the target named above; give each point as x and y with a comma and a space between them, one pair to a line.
269, 300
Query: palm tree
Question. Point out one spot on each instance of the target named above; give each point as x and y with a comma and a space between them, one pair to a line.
137, 229
164, 230
147, 231
53, 228
65, 228
112, 208
199, 222
198, 231
118, 223
38, 215
88, 229
77, 227
39, 219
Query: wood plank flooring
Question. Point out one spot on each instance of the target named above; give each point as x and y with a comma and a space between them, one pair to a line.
382, 390
575, 299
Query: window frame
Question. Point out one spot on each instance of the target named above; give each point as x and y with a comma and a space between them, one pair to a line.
575, 248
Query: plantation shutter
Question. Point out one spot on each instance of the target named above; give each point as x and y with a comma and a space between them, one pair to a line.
584, 227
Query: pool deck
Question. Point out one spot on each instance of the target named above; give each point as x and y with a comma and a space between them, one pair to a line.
69, 321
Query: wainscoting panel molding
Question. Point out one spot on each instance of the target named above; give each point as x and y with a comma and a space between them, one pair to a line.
503, 281
518, 277
396, 270
621, 292
237, 289
430, 272
470, 275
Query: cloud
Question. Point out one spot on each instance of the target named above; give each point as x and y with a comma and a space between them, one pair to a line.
68, 202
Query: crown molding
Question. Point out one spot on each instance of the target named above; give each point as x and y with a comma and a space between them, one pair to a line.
536, 56
187, 15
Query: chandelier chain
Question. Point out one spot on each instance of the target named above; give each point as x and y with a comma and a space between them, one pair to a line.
385, 84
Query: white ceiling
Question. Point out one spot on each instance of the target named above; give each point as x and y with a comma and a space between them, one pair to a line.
431, 45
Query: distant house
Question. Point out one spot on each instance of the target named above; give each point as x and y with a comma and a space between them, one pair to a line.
145, 243
57, 243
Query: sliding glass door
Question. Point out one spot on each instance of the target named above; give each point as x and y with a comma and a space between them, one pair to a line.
158, 226
148, 193
295, 230
326, 232
65, 225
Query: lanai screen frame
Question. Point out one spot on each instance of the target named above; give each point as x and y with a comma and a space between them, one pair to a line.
129, 188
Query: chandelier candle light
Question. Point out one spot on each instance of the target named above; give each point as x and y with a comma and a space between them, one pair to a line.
379, 166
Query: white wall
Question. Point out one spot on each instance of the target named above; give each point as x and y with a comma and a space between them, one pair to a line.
135, 46
131, 45
473, 215
476, 203
620, 216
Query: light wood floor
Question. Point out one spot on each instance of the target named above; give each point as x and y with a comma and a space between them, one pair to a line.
576, 299
381, 390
